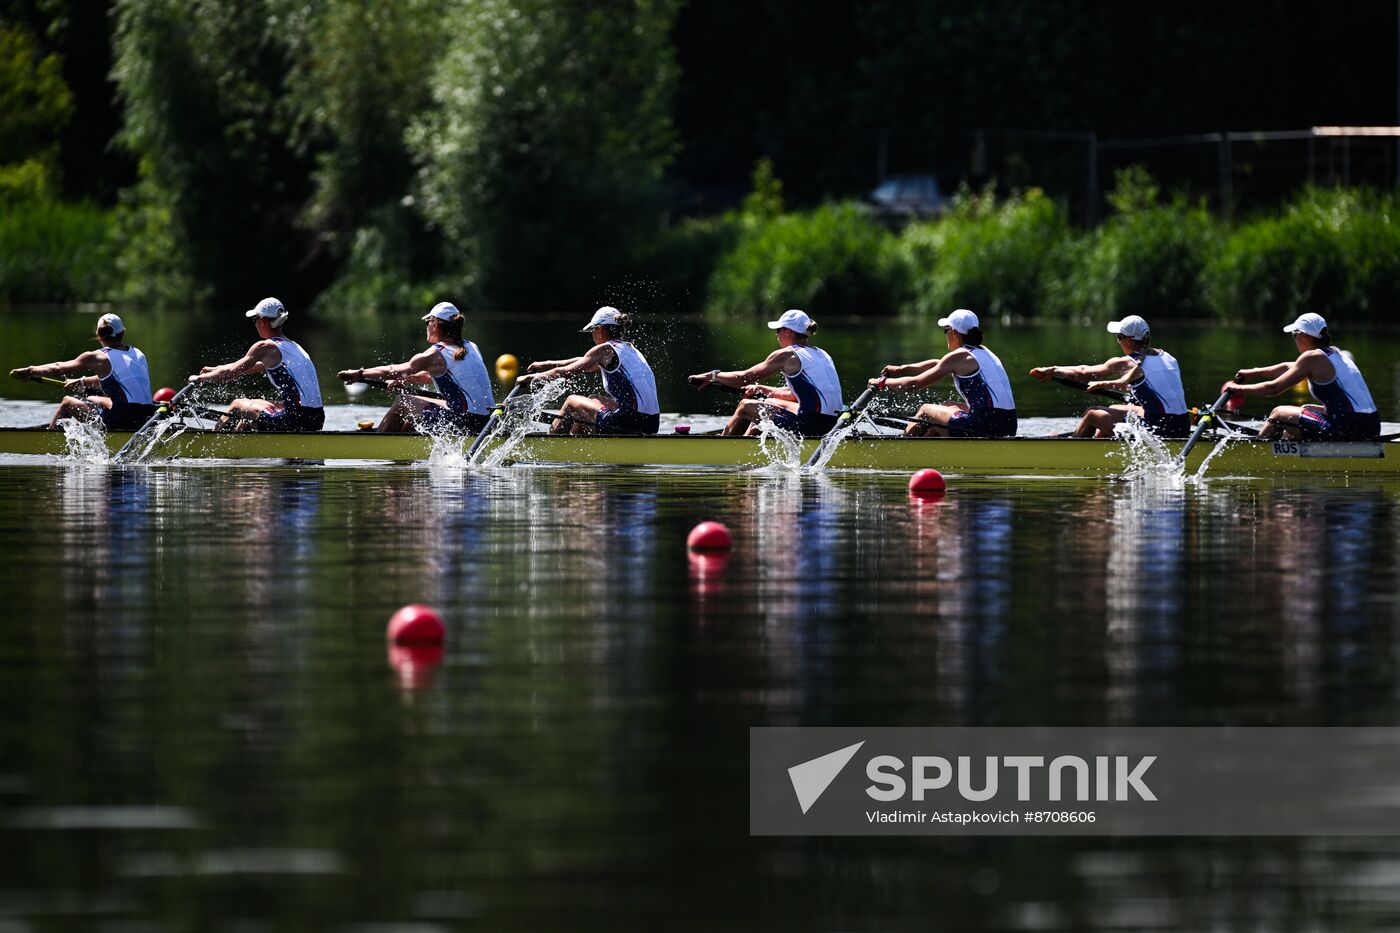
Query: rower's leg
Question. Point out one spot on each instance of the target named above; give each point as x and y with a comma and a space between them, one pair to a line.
754, 410
72, 407
1283, 422
1099, 422
242, 412
400, 417
921, 426
580, 407
744, 421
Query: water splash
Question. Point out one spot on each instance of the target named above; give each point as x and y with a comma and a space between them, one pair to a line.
781, 449
1143, 453
84, 441
521, 418
1226, 440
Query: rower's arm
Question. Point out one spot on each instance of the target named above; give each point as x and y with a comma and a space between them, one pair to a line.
419, 370
908, 369
590, 362
738, 378
540, 366
1293, 373
1113, 367
1124, 381
260, 357
93, 361
1263, 372
940, 369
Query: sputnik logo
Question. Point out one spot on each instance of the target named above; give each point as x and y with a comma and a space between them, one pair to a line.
811, 778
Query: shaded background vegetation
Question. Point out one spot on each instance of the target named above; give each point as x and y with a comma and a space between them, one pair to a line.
531, 155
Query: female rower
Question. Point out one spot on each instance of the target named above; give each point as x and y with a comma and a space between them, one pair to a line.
811, 402
628, 404
451, 363
988, 408
1347, 412
1151, 378
286, 365
118, 372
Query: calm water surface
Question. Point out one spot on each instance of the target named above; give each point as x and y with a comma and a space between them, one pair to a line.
203, 727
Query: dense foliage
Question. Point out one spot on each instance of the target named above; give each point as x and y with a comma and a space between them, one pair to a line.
536, 154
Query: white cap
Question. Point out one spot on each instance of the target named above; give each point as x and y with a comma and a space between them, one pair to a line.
269, 308
443, 311
794, 320
961, 320
113, 322
1131, 326
606, 315
1311, 324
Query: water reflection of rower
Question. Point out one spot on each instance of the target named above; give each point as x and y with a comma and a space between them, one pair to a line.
1151, 377
453, 364
1347, 412
988, 408
285, 364
811, 401
629, 404
118, 372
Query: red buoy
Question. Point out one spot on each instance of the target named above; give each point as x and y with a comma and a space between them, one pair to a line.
709, 536
1234, 402
416, 624
927, 481
163, 394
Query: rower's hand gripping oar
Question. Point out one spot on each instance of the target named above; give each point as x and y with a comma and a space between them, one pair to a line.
846, 416
1202, 423
163, 410
497, 413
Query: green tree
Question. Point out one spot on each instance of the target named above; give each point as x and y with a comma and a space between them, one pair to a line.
35, 103
542, 157
204, 87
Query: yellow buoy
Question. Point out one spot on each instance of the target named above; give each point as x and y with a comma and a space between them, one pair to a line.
507, 367
365, 425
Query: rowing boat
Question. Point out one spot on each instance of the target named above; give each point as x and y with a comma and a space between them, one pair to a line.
1028, 456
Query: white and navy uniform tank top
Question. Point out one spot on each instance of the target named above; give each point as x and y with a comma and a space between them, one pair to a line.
1158, 388
816, 385
464, 385
295, 377
988, 387
1347, 392
129, 381
631, 381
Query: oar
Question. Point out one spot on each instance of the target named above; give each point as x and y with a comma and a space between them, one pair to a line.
48, 380
1084, 387
1201, 424
859, 406
497, 412
163, 411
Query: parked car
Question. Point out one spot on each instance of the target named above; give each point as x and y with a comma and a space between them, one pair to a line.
907, 197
